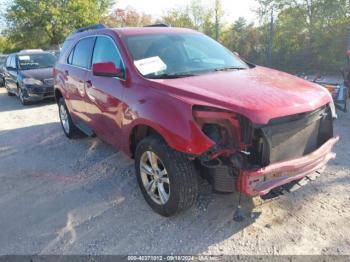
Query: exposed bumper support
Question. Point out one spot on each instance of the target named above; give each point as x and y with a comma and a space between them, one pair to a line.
260, 181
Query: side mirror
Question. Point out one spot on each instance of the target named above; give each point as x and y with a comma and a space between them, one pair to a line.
107, 69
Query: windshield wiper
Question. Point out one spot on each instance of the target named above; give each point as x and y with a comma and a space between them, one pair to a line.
172, 76
229, 68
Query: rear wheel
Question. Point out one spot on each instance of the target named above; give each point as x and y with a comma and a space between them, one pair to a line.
69, 129
9, 93
167, 179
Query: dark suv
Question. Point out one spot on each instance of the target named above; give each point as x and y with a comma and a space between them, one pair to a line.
29, 75
180, 104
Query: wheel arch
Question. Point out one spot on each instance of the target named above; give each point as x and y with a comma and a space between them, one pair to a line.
58, 94
170, 119
139, 132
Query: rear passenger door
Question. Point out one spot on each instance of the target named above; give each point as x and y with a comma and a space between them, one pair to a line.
106, 93
78, 69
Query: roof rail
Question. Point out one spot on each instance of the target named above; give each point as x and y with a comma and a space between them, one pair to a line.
157, 25
90, 27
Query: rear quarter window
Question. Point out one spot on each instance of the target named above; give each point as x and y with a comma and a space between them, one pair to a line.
64, 49
70, 57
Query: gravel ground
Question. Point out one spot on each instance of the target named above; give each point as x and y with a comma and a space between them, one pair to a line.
61, 196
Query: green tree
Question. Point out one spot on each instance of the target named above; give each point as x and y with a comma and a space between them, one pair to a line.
243, 38
179, 17
195, 15
128, 17
308, 34
46, 23
5, 45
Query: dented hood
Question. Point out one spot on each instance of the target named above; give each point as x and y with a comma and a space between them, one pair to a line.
260, 94
40, 73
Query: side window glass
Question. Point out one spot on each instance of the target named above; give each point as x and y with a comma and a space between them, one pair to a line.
8, 61
13, 62
83, 52
106, 51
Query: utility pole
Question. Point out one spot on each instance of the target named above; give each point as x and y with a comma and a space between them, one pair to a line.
217, 19
121, 15
269, 53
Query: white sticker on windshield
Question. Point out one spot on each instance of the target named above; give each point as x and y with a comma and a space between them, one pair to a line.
24, 57
150, 65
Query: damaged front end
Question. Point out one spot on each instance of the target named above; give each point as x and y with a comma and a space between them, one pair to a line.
256, 159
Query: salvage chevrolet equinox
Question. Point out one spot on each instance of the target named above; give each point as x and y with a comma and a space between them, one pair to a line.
182, 105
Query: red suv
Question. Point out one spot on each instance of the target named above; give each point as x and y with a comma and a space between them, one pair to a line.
181, 104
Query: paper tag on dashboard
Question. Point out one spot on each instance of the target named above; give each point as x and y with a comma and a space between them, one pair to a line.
150, 65
24, 57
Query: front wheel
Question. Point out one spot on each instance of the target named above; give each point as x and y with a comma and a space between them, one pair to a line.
167, 178
21, 97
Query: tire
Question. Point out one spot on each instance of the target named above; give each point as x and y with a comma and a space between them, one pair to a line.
9, 93
21, 97
69, 129
182, 188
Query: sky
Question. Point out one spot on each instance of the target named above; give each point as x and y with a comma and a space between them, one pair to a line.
233, 8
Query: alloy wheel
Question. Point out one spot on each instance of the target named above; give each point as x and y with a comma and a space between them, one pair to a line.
155, 177
20, 94
64, 118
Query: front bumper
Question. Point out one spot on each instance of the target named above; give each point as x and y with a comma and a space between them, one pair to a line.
38, 94
261, 181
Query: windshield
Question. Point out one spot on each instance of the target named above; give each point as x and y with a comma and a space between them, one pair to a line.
36, 61
180, 55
